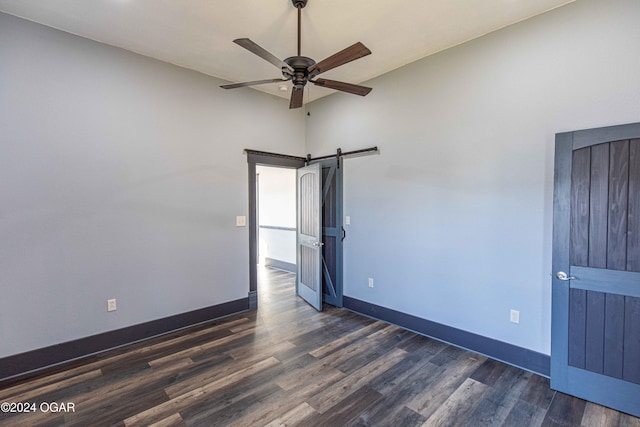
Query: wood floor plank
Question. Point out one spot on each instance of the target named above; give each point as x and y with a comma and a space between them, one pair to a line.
347, 410
160, 352
323, 401
182, 400
394, 410
29, 420
324, 332
564, 410
233, 399
189, 352
343, 341
30, 394
443, 384
353, 350
115, 357
266, 410
307, 374
387, 331
447, 355
525, 414
325, 380
599, 416
227, 414
459, 405
629, 421
39, 382
252, 349
489, 372
407, 370
372, 353
223, 369
419, 342
286, 364
500, 399
294, 416
402, 417
128, 404
117, 387
538, 392
174, 420
250, 395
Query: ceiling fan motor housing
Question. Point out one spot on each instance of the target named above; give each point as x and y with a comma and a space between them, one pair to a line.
300, 65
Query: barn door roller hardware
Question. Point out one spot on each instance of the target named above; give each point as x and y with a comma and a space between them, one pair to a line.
339, 154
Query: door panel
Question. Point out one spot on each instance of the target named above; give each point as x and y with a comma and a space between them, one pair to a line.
309, 236
596, 311
332, 232
633, 224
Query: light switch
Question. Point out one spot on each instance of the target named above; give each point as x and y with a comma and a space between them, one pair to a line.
347, 220
514, 316
241, 221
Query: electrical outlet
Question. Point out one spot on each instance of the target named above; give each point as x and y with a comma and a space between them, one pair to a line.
111, 305
515, 316
241, 221
370, 282
347, 220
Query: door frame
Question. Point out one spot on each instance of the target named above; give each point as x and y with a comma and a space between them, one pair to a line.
574, 381
255, 158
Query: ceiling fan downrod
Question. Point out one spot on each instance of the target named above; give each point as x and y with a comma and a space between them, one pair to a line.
300, 64
299, 4
299, 32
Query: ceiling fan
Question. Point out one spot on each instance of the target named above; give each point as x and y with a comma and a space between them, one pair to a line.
301, 70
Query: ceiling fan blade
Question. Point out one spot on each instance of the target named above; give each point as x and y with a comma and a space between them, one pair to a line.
253, 83
262, 53
342, 86
296, 97
353, 52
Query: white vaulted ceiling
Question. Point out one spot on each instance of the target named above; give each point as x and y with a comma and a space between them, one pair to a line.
198, 34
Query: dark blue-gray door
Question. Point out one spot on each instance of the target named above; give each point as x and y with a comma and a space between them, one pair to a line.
595, 351
309, 236
332, 232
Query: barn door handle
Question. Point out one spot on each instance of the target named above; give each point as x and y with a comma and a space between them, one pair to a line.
344, 234
561, 275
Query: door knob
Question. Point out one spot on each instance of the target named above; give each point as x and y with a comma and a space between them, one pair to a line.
561, 275
318, 244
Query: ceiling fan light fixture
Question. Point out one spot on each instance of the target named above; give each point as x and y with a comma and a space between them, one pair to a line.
283, 88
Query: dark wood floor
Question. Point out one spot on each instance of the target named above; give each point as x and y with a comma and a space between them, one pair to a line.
289, 365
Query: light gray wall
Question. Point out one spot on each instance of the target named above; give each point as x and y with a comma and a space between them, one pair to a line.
120, 177
453, 219
278, 245
277, 198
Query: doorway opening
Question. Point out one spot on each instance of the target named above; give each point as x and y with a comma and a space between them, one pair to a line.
276, 196
332, 232
257, 159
